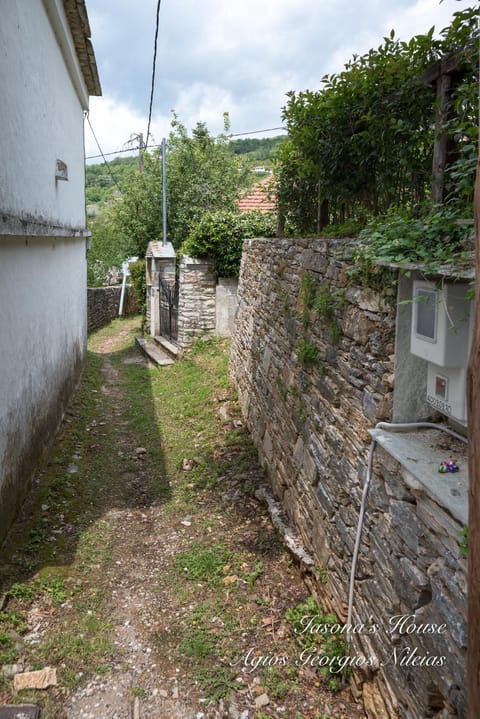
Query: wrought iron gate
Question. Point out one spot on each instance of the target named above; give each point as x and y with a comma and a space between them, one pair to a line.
169, 309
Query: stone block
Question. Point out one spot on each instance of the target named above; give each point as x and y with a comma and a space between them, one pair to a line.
317, 431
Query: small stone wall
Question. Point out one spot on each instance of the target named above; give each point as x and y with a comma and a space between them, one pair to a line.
103, 304
313, 361
196, 301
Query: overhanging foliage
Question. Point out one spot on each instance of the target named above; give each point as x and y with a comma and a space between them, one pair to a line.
364, 142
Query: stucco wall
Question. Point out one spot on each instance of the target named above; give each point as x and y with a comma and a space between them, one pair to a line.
42, 121
226, 306
313, 361
43, 328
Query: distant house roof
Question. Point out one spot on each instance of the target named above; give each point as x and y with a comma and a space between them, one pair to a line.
261, 197
77, 17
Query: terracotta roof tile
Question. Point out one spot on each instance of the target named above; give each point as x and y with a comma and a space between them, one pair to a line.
261, 197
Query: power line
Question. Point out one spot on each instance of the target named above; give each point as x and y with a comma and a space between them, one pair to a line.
254, 132
133, 149
115, 152
153, 72
102, 154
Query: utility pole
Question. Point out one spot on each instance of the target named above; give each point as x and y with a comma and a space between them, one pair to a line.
138, 137
164, 192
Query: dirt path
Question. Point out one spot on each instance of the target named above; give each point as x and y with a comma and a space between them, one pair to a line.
144, 569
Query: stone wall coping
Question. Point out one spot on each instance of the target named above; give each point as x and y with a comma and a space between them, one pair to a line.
158, 250
445, 271
420, 453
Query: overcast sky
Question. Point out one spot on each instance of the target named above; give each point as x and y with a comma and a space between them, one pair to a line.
241, 57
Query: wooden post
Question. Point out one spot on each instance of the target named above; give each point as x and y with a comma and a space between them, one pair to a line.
473, 401
444, 83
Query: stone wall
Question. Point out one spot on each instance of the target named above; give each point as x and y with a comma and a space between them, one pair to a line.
103, 304
313, 361
196, 300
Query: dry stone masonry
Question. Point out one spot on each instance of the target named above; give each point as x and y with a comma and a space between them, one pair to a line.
103, 304
313, 361
196, 301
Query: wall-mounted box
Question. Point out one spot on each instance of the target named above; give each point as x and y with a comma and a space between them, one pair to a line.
441, 323
446, 391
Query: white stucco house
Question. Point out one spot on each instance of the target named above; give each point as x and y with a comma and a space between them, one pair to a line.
48, 74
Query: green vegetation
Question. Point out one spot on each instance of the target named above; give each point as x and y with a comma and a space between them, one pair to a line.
203, 563
440, 238
103, 182
139, 281
258, 148
319, 633
307, 352
219, 236
464, 542
203, 175
361, 147
318, 302
122, 515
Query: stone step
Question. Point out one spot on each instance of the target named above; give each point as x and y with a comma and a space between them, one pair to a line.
153, 352
169, 347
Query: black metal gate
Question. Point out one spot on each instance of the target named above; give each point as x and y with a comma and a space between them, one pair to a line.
169, 310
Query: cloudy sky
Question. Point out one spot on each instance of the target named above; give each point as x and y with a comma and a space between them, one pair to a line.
241, 57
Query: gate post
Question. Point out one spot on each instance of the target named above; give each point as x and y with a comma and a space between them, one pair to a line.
196, 303
161, 264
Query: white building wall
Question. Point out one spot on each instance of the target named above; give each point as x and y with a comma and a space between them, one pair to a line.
43, 294
42, 121
42, 347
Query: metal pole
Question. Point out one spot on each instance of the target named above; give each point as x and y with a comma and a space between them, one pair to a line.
164, 192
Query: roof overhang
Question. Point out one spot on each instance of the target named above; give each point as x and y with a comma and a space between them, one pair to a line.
70, 24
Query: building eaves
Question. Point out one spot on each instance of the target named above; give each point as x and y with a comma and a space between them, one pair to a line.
77, 17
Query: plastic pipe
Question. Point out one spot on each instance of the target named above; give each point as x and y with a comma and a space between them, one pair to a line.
390, 427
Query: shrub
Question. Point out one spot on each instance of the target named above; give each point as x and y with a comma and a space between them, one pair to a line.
219, 236
139, 280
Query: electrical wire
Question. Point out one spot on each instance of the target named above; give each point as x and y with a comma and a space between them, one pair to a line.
115, 152
134, 149
389, 427
254, 132
114, 179
152, 91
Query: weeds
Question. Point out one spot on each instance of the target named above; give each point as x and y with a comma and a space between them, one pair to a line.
317, 632
203, 563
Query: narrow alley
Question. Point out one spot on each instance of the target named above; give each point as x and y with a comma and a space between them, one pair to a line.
143, 569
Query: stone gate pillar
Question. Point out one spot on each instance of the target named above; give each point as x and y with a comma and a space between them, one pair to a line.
196, 303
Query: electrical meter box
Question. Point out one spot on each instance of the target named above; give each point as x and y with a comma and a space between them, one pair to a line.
446, 391
441, 334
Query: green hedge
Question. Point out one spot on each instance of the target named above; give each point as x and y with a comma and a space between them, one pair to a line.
219, 237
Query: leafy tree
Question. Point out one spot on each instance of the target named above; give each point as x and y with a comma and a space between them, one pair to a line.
107, 249
363, 142
203, 175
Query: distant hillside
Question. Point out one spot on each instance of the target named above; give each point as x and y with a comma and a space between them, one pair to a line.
101, 181
257, 148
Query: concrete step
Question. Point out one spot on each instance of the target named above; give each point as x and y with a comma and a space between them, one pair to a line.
169, 347
153, 352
